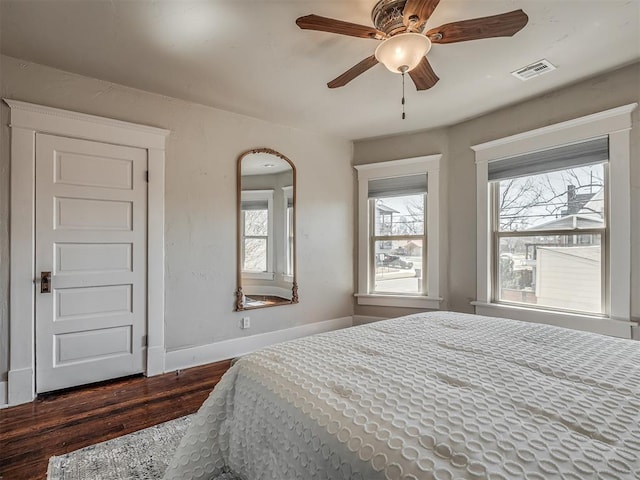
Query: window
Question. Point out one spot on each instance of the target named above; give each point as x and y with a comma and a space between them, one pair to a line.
550, 227
257, 233
553, 220
398, 261
397, 207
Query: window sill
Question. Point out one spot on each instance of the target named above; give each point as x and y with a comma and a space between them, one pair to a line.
258, 275
588, 323
409, 301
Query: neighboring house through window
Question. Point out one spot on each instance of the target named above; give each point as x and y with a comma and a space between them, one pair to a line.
553, 224
397, 207
550, 228
398, 261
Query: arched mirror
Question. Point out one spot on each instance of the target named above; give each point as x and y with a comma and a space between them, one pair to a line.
266, 230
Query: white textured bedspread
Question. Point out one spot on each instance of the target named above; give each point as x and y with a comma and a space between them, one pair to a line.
429, 396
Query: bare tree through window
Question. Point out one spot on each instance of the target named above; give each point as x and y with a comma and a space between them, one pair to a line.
255, 240
550, 230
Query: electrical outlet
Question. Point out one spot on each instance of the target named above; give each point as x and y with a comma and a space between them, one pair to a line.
246, 322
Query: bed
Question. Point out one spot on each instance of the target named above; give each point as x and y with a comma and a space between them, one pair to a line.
436, 395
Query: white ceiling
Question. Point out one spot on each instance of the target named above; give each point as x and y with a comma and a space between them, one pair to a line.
263, 164
249, 57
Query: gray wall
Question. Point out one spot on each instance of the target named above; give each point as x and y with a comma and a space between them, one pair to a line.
200, 195
394, 148
594, 95
606, 91
200, 228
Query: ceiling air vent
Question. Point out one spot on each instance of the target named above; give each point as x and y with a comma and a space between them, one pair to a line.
533, 70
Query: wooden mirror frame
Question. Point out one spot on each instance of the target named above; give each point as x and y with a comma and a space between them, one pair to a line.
239, 294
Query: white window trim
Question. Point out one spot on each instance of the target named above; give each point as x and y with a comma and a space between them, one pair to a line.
616, 123
430, 165
257, 195
258, 275
287, 194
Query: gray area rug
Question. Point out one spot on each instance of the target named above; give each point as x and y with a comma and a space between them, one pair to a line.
142, 455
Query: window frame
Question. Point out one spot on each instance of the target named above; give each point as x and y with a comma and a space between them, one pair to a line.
373, 238
497, 235
258, 195
616, 124
430, 298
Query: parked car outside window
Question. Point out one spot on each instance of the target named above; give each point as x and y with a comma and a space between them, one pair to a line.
387, 260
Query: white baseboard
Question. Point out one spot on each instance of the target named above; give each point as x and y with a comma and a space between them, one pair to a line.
215, 352
155, 361
3, 395
635, 331
20, 386
364, 319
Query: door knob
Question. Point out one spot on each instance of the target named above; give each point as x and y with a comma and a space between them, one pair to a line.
45, 282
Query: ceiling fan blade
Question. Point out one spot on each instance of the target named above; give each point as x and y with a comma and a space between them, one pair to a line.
324, 24
423, 75
353, 72
503, 25
418, 8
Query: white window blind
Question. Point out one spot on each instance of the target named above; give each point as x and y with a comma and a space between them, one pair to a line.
398, 186
589, 152
255, 205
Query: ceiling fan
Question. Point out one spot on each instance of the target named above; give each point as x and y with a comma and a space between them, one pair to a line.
400, 25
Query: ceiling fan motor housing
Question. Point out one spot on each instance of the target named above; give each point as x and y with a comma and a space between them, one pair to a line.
387, 17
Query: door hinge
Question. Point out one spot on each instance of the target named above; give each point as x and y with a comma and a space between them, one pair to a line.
146, 176
145, 340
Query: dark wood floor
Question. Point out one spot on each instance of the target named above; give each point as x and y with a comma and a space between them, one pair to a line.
62, 422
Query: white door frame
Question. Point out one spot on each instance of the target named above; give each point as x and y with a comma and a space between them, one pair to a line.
27, 119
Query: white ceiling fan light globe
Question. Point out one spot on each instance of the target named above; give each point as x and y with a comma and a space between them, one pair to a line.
403, 52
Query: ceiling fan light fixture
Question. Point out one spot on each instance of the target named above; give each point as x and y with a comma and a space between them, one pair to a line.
403, 52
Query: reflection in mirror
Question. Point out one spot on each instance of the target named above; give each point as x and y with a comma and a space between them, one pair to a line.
266, 230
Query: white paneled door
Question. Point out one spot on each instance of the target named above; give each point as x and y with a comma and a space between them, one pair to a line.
90, 262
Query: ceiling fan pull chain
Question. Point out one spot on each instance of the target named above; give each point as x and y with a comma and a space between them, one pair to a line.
403, 116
